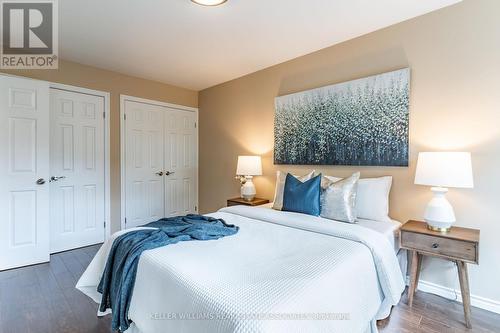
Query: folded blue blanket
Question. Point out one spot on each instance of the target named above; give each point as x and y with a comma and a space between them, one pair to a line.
118, 279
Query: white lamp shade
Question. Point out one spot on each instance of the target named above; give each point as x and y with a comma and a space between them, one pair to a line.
249, 166
444, 169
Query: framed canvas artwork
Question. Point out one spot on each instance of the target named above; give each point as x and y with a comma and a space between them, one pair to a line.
360, 122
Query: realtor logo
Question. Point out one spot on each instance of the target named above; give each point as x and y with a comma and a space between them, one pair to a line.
29, 34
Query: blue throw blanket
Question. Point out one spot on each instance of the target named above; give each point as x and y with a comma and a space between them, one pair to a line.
118, 279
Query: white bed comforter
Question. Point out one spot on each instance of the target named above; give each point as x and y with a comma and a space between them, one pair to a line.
281, 273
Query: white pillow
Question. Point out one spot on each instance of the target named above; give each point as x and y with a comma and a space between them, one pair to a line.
372, 199
280, 187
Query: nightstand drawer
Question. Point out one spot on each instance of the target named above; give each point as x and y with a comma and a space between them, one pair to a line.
452, 248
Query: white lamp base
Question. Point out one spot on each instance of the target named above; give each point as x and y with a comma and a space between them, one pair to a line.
248, 189
439, 213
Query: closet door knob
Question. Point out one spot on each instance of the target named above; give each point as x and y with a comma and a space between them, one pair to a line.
40, 181
160, 173
168, 173
55, 178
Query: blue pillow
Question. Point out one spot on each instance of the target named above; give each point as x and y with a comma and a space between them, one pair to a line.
302, 197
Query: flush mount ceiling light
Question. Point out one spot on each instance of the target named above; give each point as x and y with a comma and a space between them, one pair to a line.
209, 2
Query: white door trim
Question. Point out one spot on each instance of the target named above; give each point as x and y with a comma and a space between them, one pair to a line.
124, 98
107, 157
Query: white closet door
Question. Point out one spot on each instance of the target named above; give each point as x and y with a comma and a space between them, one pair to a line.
24, 172
144, 190
77, 170
180, 162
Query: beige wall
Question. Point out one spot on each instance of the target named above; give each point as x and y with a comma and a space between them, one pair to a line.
116, 84
454, 56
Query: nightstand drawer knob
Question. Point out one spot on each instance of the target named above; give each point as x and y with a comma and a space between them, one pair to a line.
435, 245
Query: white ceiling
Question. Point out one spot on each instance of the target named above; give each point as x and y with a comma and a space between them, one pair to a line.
192, 46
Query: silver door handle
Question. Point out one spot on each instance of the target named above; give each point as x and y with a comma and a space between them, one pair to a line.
40, 181
168, 173
55, 178
160, 173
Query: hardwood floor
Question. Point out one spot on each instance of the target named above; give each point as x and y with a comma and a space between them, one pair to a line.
435, 314
43, 298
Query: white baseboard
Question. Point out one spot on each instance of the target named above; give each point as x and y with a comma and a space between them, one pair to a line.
477, 301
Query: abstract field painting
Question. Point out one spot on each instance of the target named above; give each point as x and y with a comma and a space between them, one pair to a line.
360, 122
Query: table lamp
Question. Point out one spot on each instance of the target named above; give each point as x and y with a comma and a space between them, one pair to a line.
442, 170
248, 166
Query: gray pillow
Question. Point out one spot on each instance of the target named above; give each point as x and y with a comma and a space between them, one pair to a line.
338, 200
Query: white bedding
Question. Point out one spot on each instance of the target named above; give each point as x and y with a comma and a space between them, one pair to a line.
279, 265
390, 228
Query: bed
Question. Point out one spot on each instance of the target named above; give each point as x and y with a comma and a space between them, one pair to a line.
282, 272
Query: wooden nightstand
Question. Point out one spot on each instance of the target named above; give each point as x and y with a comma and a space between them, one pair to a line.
460, 245
241, 201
